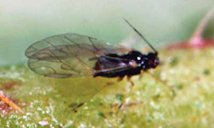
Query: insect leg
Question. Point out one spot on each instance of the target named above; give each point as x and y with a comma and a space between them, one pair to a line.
172, 92
130, 81
120, 78
157, 78
141, 75
76, 106
130, 88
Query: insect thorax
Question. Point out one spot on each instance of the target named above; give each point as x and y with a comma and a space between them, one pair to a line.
113, 65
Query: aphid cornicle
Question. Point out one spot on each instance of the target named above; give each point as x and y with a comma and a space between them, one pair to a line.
69, 55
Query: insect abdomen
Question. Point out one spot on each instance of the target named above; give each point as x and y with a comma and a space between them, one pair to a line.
107, 67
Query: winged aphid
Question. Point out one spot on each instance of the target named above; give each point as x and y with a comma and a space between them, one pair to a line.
73, 55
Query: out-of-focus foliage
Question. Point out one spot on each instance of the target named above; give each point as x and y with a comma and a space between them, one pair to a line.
26, 21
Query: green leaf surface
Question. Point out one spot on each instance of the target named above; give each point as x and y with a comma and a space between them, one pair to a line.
179, 93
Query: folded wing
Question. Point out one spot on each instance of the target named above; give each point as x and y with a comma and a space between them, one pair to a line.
68, 55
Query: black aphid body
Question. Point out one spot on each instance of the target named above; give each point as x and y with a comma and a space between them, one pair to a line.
70, 55
127, 64
134, 61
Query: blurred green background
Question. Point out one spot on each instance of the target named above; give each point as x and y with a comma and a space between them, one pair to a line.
26, 21
186, 100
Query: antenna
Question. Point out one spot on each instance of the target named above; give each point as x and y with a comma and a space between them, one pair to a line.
140, 35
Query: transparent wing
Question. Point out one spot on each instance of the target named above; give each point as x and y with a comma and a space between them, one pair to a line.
68, 55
